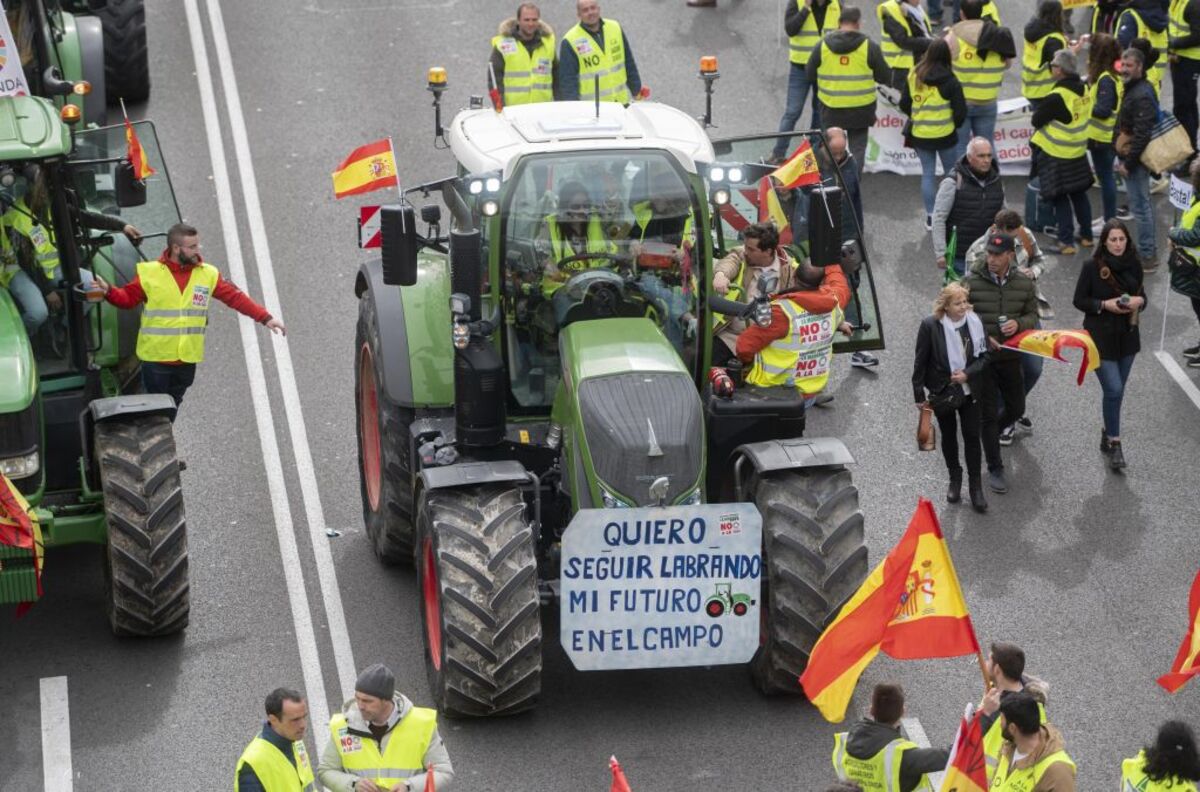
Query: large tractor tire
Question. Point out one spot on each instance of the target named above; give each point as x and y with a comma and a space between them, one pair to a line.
479, 601
126, 56
146, 560
384, 468
815, 561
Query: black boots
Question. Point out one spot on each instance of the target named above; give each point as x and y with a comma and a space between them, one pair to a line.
954, 491
1116, 457
1105, 445
975, 488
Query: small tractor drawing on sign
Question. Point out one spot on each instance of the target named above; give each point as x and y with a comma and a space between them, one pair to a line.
725, 599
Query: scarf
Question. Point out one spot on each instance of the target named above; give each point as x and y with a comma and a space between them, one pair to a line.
917, 14
954, 346
1124, 270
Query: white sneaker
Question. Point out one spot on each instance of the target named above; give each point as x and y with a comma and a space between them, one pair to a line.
1097, 226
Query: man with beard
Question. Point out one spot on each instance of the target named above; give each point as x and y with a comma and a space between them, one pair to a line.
1033, 758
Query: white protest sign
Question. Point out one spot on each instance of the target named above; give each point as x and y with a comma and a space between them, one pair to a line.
1181, 193
12, 76
661, 587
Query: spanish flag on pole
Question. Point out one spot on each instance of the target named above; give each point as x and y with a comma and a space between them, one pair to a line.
369, 167
911, 607
1051, 343
800, 169
1187, 661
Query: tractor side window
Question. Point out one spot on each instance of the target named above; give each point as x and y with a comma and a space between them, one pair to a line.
593, 236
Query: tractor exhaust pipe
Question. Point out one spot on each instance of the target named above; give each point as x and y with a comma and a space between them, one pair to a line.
480, 420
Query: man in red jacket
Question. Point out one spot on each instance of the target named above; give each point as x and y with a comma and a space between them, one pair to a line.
177, 290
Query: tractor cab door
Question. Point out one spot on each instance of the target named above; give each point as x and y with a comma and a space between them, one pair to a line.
754, 198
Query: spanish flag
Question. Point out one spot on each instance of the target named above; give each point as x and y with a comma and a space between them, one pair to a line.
770, 209
137, 154
967, 769
1187, 661
19, 528
1050, 344
911, 607
369, 167
800, 170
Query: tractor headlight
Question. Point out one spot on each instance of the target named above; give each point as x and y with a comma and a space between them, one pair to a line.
475, 187
735, 175
716, 173
691, 499
492, 184
490, 208
612, 501
720, 196
19, 467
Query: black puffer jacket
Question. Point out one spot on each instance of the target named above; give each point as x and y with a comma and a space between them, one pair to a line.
1139, 112
1036, 29
976, 202
951, 90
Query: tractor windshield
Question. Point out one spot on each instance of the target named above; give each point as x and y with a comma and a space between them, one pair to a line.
592, 236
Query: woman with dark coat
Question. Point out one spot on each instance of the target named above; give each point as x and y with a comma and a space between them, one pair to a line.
936, 88
951, 347
1110, 294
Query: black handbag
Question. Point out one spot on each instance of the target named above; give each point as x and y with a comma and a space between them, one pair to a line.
1185, 275
949, 398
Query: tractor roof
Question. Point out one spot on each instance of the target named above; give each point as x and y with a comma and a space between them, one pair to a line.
31, 129
484, 140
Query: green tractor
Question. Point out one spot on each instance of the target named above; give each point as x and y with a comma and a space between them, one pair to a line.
538, 432
726, 601
92, 455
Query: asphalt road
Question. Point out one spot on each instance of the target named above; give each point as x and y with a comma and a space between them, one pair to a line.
1086, 569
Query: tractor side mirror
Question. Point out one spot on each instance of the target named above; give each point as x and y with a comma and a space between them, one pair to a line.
130, 191
400, 243
825, 226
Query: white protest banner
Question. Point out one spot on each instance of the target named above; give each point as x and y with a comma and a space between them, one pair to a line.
12, 76
886, 150
661, 587
1181, 193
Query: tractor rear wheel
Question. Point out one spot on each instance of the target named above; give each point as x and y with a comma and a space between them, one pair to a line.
479, 601
146, 560
385, 475
126, 56
815, 561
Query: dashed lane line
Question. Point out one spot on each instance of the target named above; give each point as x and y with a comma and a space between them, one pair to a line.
56, 735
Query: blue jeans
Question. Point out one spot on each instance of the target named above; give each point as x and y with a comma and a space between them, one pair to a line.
929, 182
981, 122
1113, 374
1137, 187
34, 311
797, 93
1063, 205
172, 380
1103, 157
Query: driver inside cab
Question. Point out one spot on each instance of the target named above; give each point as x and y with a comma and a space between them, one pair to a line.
574, 230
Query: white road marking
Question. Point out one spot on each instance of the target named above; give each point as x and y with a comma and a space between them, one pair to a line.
1181, 378
310, 661
314, 515
916, 732
56, 735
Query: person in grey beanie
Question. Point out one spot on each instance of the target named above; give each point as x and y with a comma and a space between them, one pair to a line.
381, 742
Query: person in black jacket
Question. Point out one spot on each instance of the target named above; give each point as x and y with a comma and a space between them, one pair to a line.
1110, 294
1184, 45
869, 741
1135, 121
929, 117
951, 347
1103, 55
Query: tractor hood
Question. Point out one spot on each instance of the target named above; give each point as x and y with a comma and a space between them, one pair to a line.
18, 375
639, 411
31, 129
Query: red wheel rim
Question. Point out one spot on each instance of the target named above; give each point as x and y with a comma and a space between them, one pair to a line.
368, 427
715, 609
433, 605
739, 609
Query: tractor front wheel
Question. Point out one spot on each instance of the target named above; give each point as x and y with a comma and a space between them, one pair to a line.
477, 577
146, 559
815, 560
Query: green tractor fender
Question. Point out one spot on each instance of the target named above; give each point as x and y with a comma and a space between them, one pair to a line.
769, 456
391, 356
108, 409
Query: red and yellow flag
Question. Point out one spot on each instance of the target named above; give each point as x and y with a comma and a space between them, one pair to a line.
1050, 344
1187, 661
967, 769
137, 154
19, 528
769, 207
911, 607
369, 167
800, 169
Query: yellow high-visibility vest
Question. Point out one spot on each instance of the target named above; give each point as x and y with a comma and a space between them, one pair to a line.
1036, 81
405, 753
1158, 40
174, 322
1134, 778
845, 80
19, 218
1180, 28
802, 44
274, 770
9, 266
980, 76
1189, 221
560, 248
801, 358
528, 76
931, 114
608, 63
1102, 129
896, 56
1067, 141
993, 741
1026, 779
990, 11
880, 773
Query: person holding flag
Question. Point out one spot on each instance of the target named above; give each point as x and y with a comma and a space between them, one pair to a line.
1006, 667
1034, 756
1172, 764
874, 753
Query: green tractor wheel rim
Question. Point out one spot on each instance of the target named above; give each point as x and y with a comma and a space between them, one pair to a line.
430, 590
368, 427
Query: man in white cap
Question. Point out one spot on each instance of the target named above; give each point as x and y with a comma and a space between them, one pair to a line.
380, 742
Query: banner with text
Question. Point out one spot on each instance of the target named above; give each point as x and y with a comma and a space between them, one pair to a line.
661, 587
12, 76
886, 150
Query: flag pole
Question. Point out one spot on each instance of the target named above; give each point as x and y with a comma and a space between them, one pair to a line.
399, 189
124, 114
987, 678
